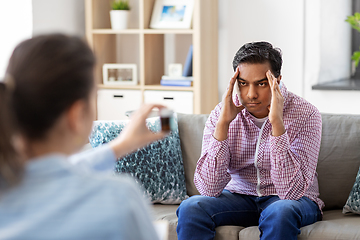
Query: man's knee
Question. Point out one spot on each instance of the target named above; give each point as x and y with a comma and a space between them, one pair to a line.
281, 219
191, 205
282, 210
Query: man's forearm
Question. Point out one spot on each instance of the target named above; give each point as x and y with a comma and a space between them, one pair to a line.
278, 129
211, 175
221, 131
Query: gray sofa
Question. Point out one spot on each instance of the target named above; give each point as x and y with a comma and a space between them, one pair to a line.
338, 164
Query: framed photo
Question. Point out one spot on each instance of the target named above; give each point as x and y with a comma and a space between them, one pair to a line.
172, 14
119, 74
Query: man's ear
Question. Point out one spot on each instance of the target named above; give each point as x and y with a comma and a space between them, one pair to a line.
75, 116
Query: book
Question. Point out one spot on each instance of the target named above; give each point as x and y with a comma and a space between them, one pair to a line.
179, 83
178, 78
187, 71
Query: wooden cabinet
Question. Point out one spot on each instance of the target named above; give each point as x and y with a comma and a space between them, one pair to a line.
150, 49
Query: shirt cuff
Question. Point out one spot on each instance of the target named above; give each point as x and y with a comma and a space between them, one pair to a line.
280, 143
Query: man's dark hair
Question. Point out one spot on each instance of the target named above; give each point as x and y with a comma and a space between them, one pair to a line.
259, 52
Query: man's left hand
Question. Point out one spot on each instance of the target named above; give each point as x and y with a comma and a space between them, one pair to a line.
276, 106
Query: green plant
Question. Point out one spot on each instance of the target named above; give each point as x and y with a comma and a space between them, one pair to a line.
354, 21
120, 5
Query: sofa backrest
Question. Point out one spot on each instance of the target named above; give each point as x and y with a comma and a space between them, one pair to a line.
191, 128
339, 156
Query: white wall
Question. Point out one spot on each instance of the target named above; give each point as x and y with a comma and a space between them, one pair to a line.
328, 51
314, 38
65, 16
15, 26
335, 36
280, 22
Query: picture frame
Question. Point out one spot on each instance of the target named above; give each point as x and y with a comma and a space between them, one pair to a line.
172, 14
119, 74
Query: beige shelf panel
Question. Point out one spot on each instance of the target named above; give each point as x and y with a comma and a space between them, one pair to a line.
99, 9
109, 45
147, 9
100, 44
153, 58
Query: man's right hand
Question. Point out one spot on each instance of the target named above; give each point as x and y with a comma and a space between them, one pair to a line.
228, 111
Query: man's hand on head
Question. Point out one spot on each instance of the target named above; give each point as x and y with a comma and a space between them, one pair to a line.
276, 106
228, 111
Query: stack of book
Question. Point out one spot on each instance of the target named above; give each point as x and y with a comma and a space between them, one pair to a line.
186, 79
180, 81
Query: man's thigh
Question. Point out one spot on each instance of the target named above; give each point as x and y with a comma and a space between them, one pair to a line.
304, 209
227, 209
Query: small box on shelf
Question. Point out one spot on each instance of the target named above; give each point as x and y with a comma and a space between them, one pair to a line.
120, 74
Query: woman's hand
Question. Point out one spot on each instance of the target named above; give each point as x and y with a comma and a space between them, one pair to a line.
136, 134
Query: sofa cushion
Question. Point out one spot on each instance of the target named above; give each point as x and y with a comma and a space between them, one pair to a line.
168, 213
158, 166
353, 201
191, 127
333, 226
339, 158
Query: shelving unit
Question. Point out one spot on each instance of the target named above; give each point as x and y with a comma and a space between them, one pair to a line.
147, 48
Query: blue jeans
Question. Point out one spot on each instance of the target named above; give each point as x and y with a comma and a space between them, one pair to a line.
198, 216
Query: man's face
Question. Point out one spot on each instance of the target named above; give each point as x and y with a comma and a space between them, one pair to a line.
255, 92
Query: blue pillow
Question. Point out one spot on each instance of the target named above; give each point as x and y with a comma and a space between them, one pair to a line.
352, 204
158, 167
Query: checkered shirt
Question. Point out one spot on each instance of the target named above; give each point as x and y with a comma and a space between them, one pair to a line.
253, 162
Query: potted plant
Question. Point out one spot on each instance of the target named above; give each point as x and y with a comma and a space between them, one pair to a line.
119, 14
354, 21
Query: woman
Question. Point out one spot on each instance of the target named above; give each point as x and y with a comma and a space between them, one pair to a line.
48, 97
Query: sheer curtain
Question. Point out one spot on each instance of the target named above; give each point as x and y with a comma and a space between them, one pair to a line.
15, 26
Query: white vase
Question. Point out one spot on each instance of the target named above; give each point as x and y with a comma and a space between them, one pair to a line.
119, 19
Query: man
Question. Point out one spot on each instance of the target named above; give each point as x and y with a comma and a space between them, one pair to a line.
259, 156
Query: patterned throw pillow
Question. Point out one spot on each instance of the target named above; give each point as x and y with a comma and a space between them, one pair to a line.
158, 167
353, 201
